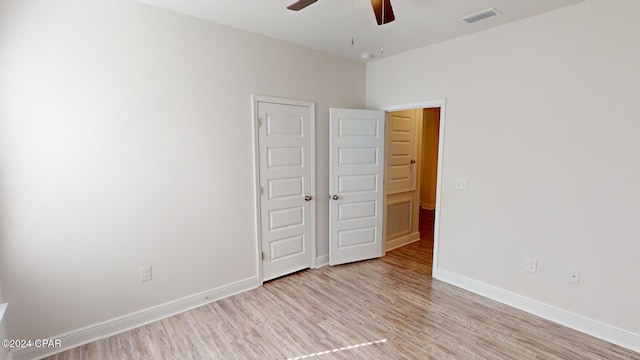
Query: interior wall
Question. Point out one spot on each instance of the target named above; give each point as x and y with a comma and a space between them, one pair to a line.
542, 118
126, 140
429, 165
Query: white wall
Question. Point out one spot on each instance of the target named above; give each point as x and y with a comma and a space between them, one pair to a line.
542, 118
126, 140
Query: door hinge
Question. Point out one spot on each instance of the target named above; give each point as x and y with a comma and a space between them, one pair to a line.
261, 190
264, 256
259, 122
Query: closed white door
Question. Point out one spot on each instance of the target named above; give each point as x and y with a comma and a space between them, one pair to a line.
285, 148
356, 186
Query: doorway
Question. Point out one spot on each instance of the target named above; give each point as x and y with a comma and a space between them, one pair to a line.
428, 175
421, 214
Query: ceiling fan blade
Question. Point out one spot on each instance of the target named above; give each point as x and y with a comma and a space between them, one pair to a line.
300, 4
383, 11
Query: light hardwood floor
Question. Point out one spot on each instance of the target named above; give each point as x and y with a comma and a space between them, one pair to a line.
392, 300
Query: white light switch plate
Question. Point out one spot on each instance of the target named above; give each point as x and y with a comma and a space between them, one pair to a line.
145, 273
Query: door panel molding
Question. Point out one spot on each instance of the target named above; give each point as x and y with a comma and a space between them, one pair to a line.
399, 218
402, 141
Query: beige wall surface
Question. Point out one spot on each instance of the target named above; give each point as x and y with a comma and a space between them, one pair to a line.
126, 140
542, 118
429, 170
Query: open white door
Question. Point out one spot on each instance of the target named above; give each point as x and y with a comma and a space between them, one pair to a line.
356, 186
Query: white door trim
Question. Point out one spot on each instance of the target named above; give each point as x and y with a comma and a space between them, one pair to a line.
436, 228
255, 99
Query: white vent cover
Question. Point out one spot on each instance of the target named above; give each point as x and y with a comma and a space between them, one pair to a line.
481, 15
398, 219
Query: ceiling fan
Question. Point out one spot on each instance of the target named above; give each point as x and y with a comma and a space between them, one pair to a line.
381, 8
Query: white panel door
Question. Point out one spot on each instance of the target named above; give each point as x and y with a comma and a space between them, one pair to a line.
401, 157
286, 213
356, 186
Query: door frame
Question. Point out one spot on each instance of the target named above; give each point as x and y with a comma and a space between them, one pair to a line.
436, 226
255, 99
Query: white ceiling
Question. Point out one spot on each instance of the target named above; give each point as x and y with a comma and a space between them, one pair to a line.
329, 25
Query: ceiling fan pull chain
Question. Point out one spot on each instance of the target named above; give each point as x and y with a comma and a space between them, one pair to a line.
353, 42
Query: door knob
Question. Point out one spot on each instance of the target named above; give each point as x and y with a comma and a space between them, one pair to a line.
335, 197
412, 161
308, 198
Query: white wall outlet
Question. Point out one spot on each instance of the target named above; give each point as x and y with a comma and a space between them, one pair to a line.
461, 183
532, 265
145, 273
573, 276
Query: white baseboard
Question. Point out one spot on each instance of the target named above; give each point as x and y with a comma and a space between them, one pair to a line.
574, 321
134, 320
402, 241
322, 261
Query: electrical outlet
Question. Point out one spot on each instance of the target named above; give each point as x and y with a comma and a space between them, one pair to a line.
532, 265
573, 276
461, 184
145, 273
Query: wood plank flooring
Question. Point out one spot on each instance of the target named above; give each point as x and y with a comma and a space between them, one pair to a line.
388, 308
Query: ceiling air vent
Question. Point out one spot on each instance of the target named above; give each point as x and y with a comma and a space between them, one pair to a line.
480, 16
